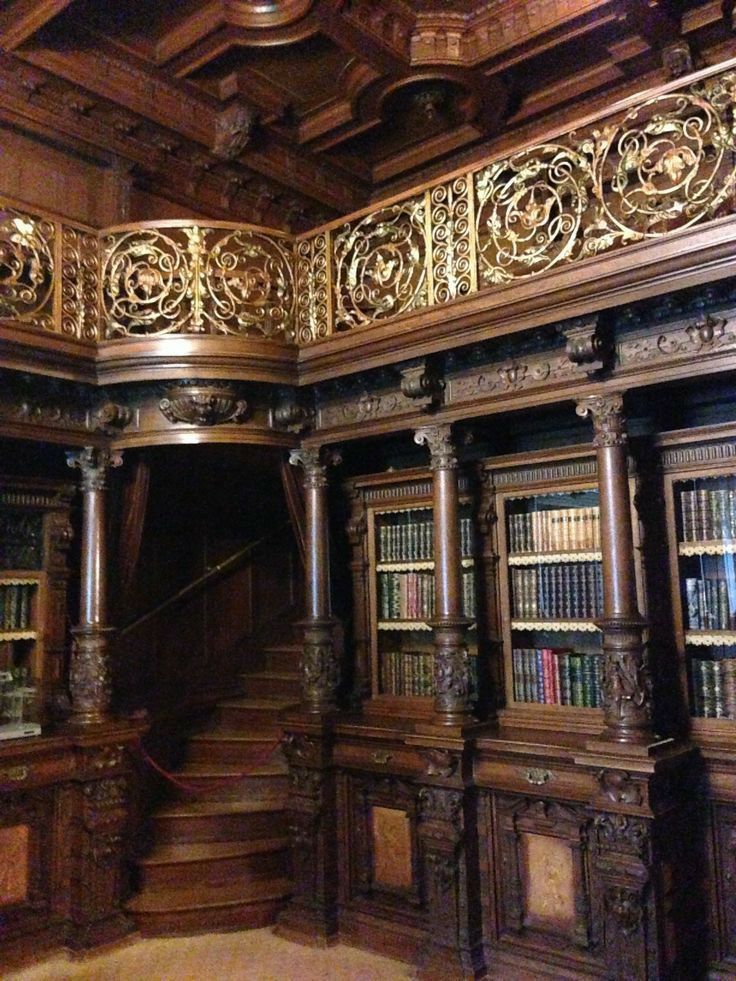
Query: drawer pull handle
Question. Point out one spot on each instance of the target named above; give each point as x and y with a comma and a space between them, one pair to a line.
14, 774
382, 758
537, 776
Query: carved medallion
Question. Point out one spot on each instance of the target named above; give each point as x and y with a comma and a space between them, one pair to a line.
203, 404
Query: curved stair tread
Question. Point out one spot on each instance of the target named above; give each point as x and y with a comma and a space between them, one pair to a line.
254, 702
182, 900
214, 807
201, 851
274, 768
253, 736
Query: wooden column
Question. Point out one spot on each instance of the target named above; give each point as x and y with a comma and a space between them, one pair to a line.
89, 680
320, 667
451, 665
626, 681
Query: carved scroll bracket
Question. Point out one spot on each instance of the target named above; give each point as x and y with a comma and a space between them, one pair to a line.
588, 346
421, 382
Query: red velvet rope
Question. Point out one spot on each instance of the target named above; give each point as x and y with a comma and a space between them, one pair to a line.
192, 790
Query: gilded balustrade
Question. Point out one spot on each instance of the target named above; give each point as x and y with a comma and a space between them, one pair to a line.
641, 173
49, 274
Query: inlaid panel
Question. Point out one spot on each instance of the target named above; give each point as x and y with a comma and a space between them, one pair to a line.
392, 865
549, 882
14, 862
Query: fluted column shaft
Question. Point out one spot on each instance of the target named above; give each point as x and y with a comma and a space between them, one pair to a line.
320, 669
89, 679
627, 687
451, 664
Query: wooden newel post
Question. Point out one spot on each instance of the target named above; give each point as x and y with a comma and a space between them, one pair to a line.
626, 681
451, 664
320, 666
89, 676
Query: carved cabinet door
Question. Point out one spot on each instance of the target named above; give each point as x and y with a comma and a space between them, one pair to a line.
725, 866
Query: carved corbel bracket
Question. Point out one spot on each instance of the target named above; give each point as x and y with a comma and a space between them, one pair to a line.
588, 346
421, 382
111, 417
233, 130
291, 415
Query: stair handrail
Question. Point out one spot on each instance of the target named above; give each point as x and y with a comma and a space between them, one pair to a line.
196, 584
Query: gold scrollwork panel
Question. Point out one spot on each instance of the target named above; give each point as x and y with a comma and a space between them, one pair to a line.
27, 268
380, 265
189, 279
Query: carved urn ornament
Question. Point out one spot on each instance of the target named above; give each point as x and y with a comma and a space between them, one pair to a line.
203, 404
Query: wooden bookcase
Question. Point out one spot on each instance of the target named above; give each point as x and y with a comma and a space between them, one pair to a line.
550, 583
700, 499
397, 574
34, 537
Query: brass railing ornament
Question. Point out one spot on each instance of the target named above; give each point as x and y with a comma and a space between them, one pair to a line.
641, 173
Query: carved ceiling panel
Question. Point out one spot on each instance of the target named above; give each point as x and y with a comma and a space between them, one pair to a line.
303, 110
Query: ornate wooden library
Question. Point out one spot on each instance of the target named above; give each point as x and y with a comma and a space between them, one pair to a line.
368, 486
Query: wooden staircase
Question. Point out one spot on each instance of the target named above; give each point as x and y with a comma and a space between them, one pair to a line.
220, 857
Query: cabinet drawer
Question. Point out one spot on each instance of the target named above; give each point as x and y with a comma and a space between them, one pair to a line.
533, 777
391, 758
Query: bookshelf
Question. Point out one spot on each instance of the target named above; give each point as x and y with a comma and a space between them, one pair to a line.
403, 589
700, 491
34, 536
550, 581
393, 579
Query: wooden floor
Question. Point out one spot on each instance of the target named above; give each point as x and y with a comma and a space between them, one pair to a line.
252, 955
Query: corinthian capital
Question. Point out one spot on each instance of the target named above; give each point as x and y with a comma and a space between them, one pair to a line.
314, 461
439, 441
606, 412
93, 464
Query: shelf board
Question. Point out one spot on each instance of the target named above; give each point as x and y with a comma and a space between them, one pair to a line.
583, 626
721, 547
416, 565
548, 558
710, 638
18, 635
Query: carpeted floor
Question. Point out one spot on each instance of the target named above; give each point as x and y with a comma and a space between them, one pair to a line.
251, 955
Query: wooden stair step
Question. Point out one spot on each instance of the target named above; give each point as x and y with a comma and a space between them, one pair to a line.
203, 908
283, 657
198, 851
269, 683
224, 820
213, 863
227, 746
262, 712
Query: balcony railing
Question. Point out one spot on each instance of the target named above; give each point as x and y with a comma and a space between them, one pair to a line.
647, 169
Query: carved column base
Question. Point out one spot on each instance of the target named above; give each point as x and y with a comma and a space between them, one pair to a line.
452, 705
320, 666
626, 682
89, 676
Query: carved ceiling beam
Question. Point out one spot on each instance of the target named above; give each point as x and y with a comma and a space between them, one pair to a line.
658, 21
192, 116
344, 29
22, 18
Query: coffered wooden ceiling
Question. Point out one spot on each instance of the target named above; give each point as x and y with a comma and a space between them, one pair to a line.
291, 112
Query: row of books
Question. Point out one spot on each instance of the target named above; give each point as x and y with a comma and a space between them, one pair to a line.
555, 530
412, 673
410, 595
15, 606
556, 592
708, 515
708, 605
714, 688
550, 676
412, 540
